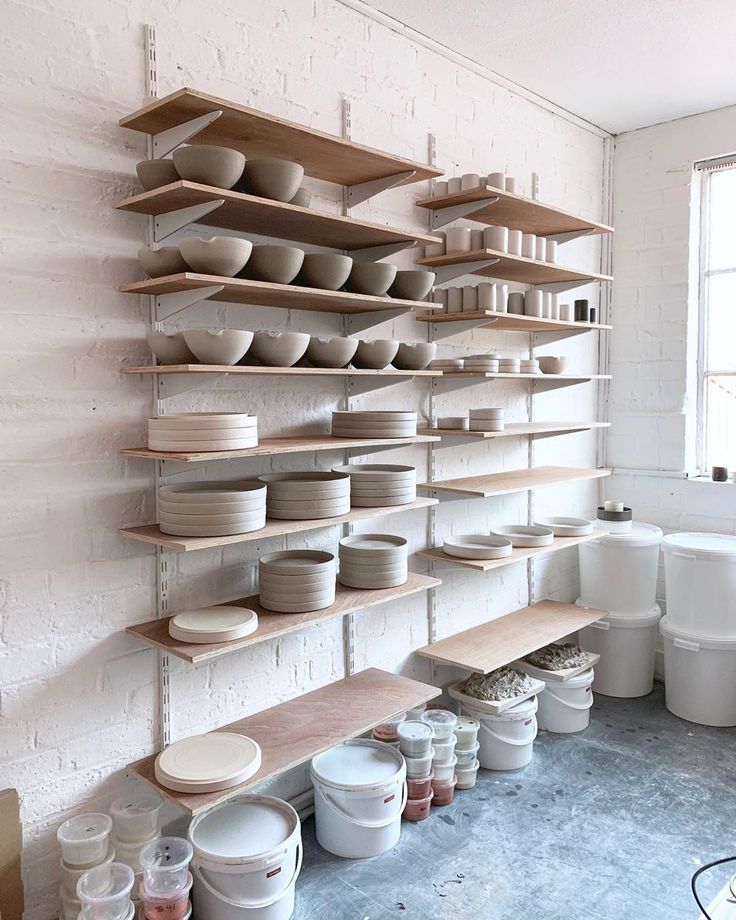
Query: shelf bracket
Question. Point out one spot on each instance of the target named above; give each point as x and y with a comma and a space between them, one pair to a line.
447, 330
359, 386
443, 216
362, 191
456, 442
166, 224
445, 273
443, 497
179, 467
359, 322
169, 304
571, 235
375, 253
448, 383
559, 287
166, 141
173, 384
557, 335
375, 449
542, 386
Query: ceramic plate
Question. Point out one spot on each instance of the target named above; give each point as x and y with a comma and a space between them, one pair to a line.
374, 472
212, 520
201, 447
208, 763
382, 416
224, 530
363, 543
213, 624
212, 508
298, 562
212, 491
477, 546
278, 607
374, 582
203, 420
566, 526
523, 535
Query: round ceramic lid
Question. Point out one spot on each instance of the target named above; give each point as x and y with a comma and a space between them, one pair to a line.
211, 758
639, 535
213, 619
357, 764
242, 828
702, 544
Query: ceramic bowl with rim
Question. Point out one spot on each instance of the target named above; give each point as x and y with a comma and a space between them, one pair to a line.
376, 354
155, 173
412, 285
325, 271
272, 263
279, 349
552, 364
477, 546
209, 164
272, 177
414, 356
218, 346
223, 256
525, 535
371, 278
159, 262
169, 347
334, 351
566, 526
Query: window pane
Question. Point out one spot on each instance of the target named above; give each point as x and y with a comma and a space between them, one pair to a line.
721, 340
722, 231
720, 424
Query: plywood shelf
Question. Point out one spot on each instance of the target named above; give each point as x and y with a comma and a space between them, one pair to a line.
151, 533
517, 555
293, 732
517, 430
493, 645
258, 134
511, 481
514, 268
272, 625
511, 322
258, 371
541, 378
515, 211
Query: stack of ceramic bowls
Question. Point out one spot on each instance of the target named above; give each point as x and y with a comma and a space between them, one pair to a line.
466, 751
487, 419
415, 743
295, 581
529, 366
373, 560
212, 509
509, 365
136, 822
443, 724
167, 880
448, 365
307, 496
391, 424
105, 892
85, 843
203, 431
485, 364
380, 485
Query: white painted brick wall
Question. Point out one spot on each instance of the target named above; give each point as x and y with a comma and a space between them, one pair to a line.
78, 696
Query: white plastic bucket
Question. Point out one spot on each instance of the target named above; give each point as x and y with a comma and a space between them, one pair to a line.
699, 676
627, 647
506, 740
359, 795
618, 572
565, 707
247, 858
700, 581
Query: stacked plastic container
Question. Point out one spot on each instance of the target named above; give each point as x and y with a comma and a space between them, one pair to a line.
466, 751
415, 743
444, 759
166, 879
85, 844
105, 893
136, 822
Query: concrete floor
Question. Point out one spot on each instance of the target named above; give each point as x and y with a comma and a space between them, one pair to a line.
606, 825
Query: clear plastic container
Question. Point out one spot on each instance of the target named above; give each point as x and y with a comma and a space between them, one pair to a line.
466, 758
466, 732
415, 738
419, 767
466, 776
165, 865
85, 839
104, 892
136, 818
443, 772
443, 750
173, 907
443, 723
85, 914
70, 875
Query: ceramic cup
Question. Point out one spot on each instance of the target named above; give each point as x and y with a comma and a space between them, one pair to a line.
497, 180
496, 238
516, 303
454, 300
510, 184
486, 296
552, 250
502, 298
547, 305
534, 303
454, 185
470, 180
440, 297
567, 312
514, 245
439, 187
457, 239
540, 249
555, 313
435, 249
476, 238
470, 298
528, 245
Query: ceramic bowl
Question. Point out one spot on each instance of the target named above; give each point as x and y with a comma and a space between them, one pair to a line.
220, 346
159, 262
272, 178
302, 199
412, 285
325, 271
170, 347
371, 278
414, 356
525, 535
155, 173
552, 364
279, 349
223, 256
276, 264
376, 354
331, 352
209, 164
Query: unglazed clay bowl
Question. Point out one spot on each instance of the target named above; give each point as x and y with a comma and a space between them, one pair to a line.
331, 352
170, 347
302, 199
325, 271
218, 346
159, 262
223, 256
371, 278
376, 354
552, 364
279, 349
209, 164
272, 178
412, 285
414, 356
277, 264
155, 173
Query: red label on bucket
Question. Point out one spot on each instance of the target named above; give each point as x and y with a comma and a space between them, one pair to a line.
273, 872
528, 722
389, 799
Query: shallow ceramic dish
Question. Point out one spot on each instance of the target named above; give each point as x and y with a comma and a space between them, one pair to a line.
487, 413
298, 608
204, 436
209, 492
374, 545
271, 177
318, 515
477, 546
552, 364
210, 520
334, 351
226, 530
209, 164
218, 346
281, 582
388, 489
414, 356
377, 472
412, 285
371, 278
375, 355
305, 482
297, 562
302, 199
364, 569
487, 424
169, 347
206, 508
525, 535
356, 432
207, 763
279, 349
308, 505
567, 526
453, 422
213, 624
324, 270
187, 420
159, 262
373, 583
388, 415
274, 264
155, 173
297, 593
376, 429
223, 256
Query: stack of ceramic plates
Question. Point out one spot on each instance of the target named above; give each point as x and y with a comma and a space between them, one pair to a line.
373, 560
487, 419
307, 496
213, 624
448, 365
525, 535
529, 366
482, 364
296, 581
477, 546
208, 763
212, 509
203, 431
380, 485
453, 422
509, 366
374, 424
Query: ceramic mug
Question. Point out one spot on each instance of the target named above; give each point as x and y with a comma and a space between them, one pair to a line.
516, 303
514, 242
497, 179
454, 185
502, 298
528, 245
567, 312
470, 298
551, 250
435, 249
547, 301
457, 239
454, 299
496, 238
510, 184
439, 188
534, 303
486, 296
540, 249
476, 239
470, 180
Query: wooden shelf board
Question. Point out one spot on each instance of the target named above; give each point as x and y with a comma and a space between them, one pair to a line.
150, 533
250, 214
258, 134
265, 294
272, 625
510, 481
295, 731
516, 211
512, 322
518, 429
259, 371
493, 645
517, 555
514, 268
269, 446
470, 375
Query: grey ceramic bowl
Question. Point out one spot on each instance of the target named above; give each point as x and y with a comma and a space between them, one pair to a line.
170, 347
303, 198
159, 262
224, 256
552, 364
155, 173
414, 356
376, 354
325, 271
218, 346
272, 178
279, 349
412, 285
277, 264
331, 352
209, 164
373, 278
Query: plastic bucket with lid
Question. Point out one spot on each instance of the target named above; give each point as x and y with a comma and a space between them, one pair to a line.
700, 581
359, 795
247, 858
564, 708
627, 647
507, 739
618, 572
699, 676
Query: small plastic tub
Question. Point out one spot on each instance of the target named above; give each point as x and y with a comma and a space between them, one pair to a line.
444, 793
70, 875
419, 788
443, 772
85, 840
418, 809
419, 767
165, 865
104, 892
415, 714
130, 853
173, 907
466, 732
466, 758
136, 818
415, 738
84, 913
70, 907
443, 723
466, 776
443, 750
